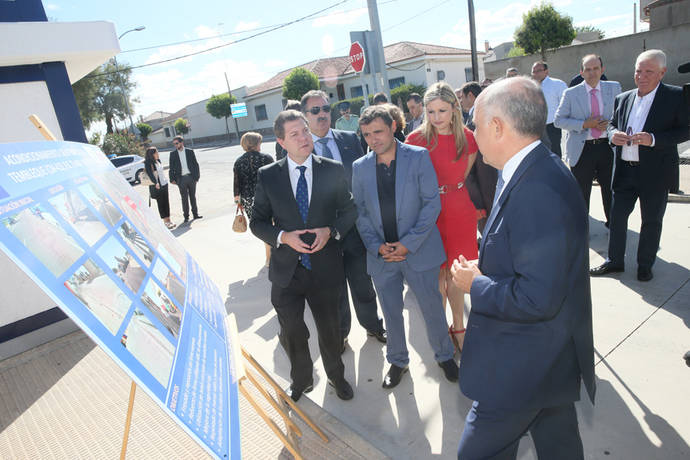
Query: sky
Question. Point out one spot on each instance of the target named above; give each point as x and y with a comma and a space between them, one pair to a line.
175, 28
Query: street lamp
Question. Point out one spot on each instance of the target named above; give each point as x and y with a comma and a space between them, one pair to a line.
124, 90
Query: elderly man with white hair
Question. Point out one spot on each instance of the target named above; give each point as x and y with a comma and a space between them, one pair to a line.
648, 124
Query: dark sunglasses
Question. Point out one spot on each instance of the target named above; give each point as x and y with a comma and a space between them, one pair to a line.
316, 109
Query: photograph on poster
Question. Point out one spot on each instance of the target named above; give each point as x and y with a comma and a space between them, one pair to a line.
101, 203
136, 242
39, 231
169, 281
149, 346
122, 263
162, 307
99, 294
75, 211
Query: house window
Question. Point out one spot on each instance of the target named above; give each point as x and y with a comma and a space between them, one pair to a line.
167, 132
341, 91
395, 82
440, 75
260, 111
468, 73
356, 91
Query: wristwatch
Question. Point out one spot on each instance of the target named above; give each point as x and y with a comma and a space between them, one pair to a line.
334, 233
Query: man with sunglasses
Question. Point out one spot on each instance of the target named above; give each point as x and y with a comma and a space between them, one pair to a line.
344, 146
184, 172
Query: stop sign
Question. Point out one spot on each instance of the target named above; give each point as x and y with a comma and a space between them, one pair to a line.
357, 58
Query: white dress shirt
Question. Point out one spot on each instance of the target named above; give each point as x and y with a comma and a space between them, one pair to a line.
553, 90
294, 174
162, 178
636, 120
601, 106
184, 169
512, 165
333, 147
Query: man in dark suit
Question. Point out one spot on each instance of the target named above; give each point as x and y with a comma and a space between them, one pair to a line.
529, 333
648, 124
343, 146
184, 172
301, 207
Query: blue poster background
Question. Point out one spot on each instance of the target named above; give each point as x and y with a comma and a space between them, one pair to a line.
81, 232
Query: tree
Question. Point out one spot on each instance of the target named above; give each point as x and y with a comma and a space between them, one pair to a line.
181, 126
544, 28
219, 107
299, 82
145, 129
515, 52
100, 95
122, 144
585, 29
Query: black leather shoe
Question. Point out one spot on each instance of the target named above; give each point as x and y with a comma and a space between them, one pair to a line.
606, 268
644, 274
342, 389
198, 216
381, 336
186, 220
394, 376
450, 369
296, 393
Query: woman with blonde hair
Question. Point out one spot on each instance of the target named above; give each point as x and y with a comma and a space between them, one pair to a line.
453, 150
245, 169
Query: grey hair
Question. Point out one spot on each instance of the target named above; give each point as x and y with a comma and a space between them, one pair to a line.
285, 116
309, 95
520, 101
658, 55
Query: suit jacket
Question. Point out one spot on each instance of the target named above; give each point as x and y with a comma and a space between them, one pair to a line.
667, 121
417, 206
175, 171
481, 183
275, 209
574, 110
529, 333
350, 150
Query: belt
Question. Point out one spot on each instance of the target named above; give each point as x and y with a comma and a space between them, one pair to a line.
601, 140
631, 163
443, 189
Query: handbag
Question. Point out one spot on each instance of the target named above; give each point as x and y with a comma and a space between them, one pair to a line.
154, 192
239, 225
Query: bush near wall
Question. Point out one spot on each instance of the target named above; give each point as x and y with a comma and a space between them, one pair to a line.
402, 92
122, 144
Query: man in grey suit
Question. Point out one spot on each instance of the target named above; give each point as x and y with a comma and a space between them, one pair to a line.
396, 194
584, 113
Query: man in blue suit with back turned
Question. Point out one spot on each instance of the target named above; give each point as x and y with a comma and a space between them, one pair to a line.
529, 333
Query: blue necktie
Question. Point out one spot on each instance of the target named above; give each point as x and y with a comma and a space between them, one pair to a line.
499, 187
302, 197
325, 152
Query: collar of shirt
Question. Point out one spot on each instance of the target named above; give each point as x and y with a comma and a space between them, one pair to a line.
294, 174
589, 88
512, 165
647, 98
318, 147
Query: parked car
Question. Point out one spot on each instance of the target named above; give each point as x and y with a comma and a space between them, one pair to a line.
130, 166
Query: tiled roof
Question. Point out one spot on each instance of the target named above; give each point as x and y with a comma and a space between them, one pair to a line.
337, 66
175, 116
157, 115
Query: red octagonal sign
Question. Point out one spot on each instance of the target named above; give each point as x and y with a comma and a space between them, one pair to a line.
357, 58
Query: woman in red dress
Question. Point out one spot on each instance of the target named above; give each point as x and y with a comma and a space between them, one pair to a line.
453, 149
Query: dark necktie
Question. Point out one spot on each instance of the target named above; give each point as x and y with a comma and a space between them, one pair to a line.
302, 197
499, 187
325, 151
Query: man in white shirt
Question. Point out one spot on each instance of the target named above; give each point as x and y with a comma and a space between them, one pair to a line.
648, 124
184, 172
553, 90
584, 113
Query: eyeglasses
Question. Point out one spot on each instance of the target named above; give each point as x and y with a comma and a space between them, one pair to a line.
316, 109
629, 132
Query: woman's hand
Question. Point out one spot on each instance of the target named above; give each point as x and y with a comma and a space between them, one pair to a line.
158, 186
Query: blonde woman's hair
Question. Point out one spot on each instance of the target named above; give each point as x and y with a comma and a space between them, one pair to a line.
250, 141
444, 92
396, 114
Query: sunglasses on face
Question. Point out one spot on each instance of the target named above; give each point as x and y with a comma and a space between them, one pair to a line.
316, 109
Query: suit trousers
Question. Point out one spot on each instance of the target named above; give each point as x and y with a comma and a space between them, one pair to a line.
631, 184
187, 186
288, 303
424, 285
596, 161
361, 287
555, 138
492, 433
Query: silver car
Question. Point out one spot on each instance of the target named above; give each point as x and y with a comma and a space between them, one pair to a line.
130, 166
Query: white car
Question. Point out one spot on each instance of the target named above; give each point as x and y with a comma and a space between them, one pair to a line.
130, 166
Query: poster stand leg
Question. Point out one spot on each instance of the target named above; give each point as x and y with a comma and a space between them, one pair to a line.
49, 136
128, 420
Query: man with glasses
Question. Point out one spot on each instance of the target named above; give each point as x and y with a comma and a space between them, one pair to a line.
344, 146
553, 90
184, 172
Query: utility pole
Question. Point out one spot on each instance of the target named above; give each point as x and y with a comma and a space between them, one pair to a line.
634, 18
119, 77
376, 28
237, 129
473, 41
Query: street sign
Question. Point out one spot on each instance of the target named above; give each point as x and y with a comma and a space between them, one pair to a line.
357, 57
238, 110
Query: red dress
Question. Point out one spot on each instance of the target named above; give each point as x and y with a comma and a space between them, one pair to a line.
458, 219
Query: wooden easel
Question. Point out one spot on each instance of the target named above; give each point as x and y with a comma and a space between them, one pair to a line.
245, 375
